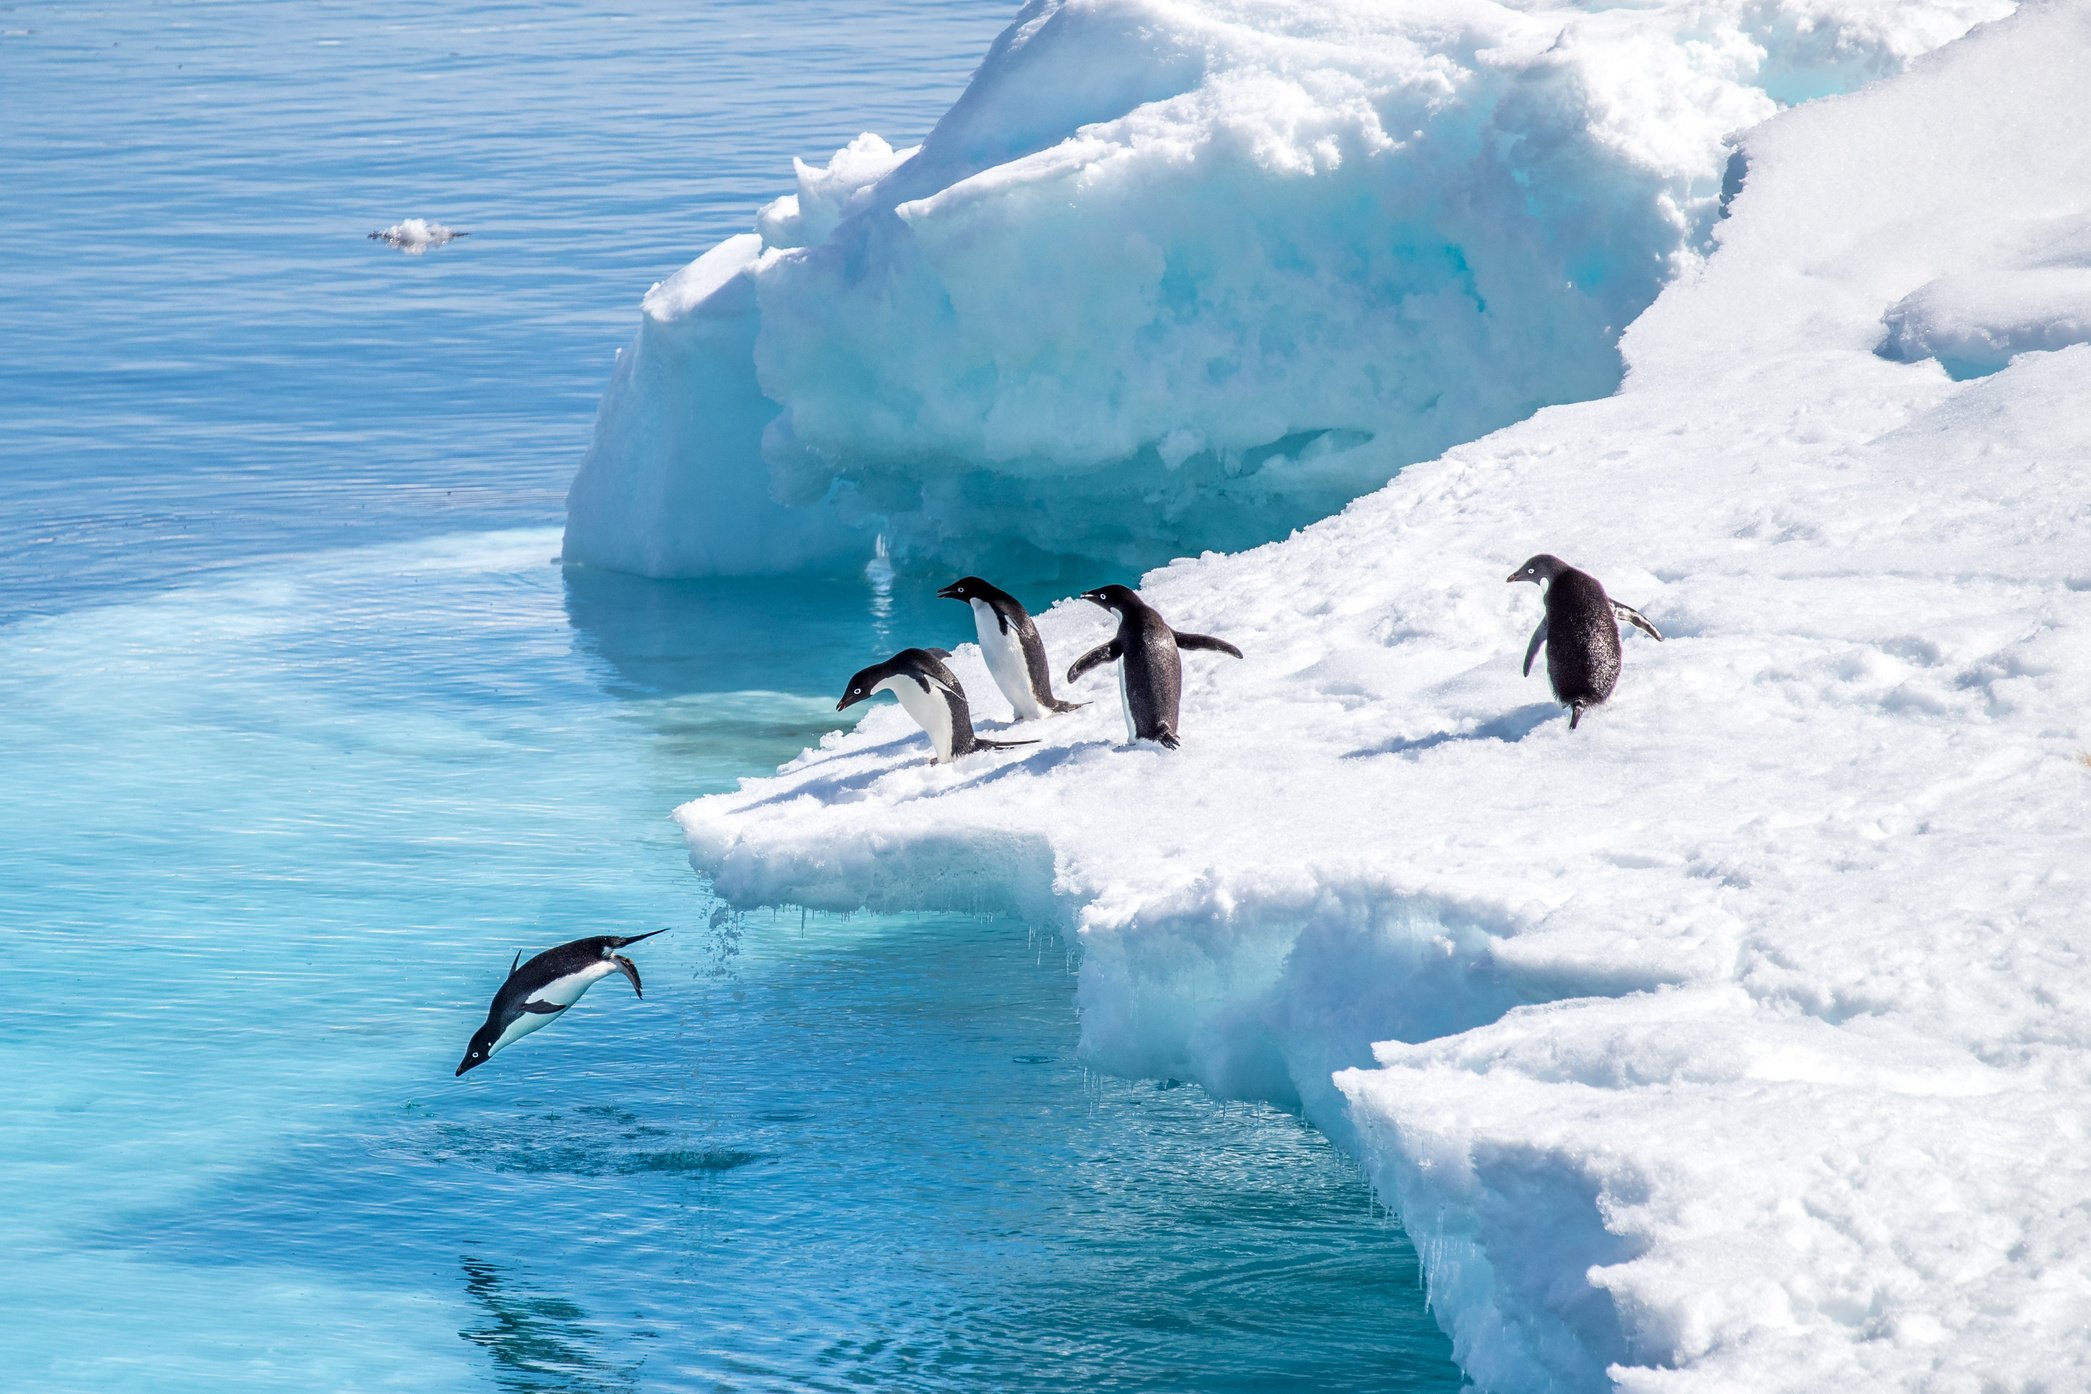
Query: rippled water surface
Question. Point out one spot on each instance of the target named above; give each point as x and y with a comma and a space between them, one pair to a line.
305, 733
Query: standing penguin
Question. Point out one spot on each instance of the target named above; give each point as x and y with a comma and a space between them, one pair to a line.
544, 987
1016, 656
1581, 632
930, 693
1150, 675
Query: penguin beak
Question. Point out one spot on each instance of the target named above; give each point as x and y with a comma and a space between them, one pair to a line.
467, 1063
847, 702
1514, 577
1096, 598
949, 592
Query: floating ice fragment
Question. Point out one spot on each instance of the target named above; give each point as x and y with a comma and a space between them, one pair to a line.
416, 235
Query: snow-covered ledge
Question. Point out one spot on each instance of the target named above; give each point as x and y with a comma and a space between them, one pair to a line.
1742, 1039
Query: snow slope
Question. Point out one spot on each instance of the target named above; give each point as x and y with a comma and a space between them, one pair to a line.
1742, 1039
1193, 269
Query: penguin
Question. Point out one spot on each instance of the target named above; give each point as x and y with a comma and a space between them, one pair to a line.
930, 693
1150, 675
1016, 656
547, 985
1581, 632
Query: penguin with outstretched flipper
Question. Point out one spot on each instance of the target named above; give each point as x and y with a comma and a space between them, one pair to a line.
1150, 675
547, 985
1580, 631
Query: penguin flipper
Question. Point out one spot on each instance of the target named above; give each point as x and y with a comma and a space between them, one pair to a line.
1102, 653
1532, 649
1206, 641
518, 953
1060, 706
1637, 620
630, 970
544, 1008
982, 743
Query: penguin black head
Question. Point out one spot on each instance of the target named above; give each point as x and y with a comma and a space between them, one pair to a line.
966, 588
1117, 599
1544, 567
860, 687
480, 1050
924, 665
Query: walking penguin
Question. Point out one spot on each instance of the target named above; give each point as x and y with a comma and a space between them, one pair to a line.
1581, 632
547, 985
1016, 656
1150, 675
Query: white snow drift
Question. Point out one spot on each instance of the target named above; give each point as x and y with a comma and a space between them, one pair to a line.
1175, 272
1742, 1039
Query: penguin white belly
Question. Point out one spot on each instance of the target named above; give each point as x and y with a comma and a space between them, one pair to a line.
1125, 701
931, 710
566, 991
523, 1025
1004, 653
562, 992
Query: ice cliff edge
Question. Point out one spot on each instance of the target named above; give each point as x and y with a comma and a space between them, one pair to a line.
1173, 275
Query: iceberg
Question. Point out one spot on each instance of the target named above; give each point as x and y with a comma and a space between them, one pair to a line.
1740, 1040
1177, 275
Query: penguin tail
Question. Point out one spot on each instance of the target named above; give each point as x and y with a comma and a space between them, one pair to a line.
1575, 715
1063, 706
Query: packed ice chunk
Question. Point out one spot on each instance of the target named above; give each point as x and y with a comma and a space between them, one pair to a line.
2034, 297
414, 236
1177, 275
827, 195
685, 391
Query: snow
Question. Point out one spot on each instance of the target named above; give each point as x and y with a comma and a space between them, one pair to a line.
1202, 270
1741, 1040
1975, 323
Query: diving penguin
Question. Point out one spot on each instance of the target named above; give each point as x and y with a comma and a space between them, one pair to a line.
929, 692
1581, 632
1150, 675
1016, 656
547, 985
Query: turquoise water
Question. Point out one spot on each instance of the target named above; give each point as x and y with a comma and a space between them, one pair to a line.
305, 733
